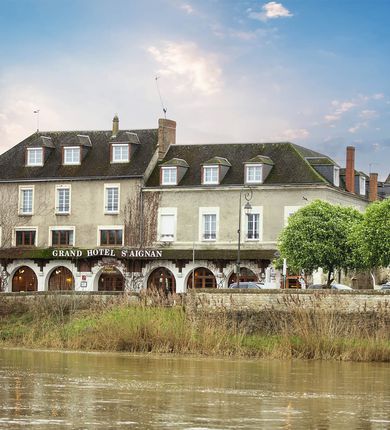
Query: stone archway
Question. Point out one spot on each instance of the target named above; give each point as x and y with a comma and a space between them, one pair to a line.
61, 279
24, 279
246, 275
111, 279
204, 278
162, 279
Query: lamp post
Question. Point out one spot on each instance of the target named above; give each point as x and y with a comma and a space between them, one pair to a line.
248, 196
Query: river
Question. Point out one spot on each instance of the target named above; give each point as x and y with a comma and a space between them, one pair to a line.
67, 390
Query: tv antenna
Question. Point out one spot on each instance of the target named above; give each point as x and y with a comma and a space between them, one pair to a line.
161, 100
36, 112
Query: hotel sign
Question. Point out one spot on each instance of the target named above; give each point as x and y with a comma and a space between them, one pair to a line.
107, 252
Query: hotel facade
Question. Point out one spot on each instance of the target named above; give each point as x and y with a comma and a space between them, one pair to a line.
123, 210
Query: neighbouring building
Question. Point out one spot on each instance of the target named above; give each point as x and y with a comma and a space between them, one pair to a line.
130, 209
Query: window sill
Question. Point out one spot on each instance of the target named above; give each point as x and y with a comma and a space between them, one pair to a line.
26, 214
111, 213
62, 213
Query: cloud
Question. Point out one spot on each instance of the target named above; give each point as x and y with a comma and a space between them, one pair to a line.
189, 67
367, 114
378, 96
188, 9
299, 133
357, 127
270, 10
339, 108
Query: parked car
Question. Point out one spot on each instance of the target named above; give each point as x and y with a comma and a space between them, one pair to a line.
252, 285
340, 287
316, 287
385, 286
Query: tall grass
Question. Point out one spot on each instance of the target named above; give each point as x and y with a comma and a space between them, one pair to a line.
154, 326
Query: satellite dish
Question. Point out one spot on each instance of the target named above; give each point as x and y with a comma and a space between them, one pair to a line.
277, 254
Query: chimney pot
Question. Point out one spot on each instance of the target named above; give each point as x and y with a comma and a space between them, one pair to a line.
115, 125
166, 136
350, 170
373, 191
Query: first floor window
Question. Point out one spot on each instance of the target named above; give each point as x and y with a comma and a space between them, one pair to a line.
253, 226
167, 227
26, 201
25, 237
112, 199
209, 226
111, 237
62, 237
63, 200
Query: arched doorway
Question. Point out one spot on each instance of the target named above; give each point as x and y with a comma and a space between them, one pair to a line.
162, 279
111, 279
246, 275
61, 279
24, 279
204, 278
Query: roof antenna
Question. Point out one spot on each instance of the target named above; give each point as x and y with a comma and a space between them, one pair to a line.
161, 100
37, 114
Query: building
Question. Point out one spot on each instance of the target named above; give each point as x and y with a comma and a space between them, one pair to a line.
129, 209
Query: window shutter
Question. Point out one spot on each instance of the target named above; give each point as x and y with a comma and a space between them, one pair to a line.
167, 226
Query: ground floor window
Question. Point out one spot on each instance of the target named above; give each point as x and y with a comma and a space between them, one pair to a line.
162, 279
203, 277
111, 279
111, 237
246, 275
62, 237
24, 279
25, 237
61, 279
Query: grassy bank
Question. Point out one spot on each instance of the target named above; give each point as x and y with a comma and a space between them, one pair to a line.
296, 333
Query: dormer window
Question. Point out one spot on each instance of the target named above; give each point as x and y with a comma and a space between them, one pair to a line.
254, 174
71, 155
34, 156
336, 176
362, 185
120, 153
210, 175
168, 175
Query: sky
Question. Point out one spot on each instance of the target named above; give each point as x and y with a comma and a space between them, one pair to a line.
313, 72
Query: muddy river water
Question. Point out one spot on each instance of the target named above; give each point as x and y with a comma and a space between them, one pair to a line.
66, 390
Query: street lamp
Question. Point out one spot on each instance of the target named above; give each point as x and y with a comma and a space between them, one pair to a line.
247, 208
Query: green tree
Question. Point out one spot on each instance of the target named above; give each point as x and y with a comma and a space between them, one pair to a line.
371, 237
318, 236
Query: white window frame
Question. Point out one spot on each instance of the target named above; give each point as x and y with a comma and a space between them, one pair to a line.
210, 167
208, 211
29, 151
120, 145
162, 212
256, 210
110, 227
362, 185
57, 199
336, 176
168, 169
288, 211
253, 181
21, 189
65, 227
72, 163
24, 228
105, 207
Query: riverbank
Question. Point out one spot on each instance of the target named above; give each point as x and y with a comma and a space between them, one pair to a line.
295, 333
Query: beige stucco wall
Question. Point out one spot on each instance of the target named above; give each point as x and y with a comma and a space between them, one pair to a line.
87, 209
273, 201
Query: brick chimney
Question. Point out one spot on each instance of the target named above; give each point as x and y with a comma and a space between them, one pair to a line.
166, 136
373, 191
115, 126
350, 170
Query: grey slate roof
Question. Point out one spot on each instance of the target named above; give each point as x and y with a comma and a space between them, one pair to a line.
176, 162
387, 181
290, 166
96, 162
